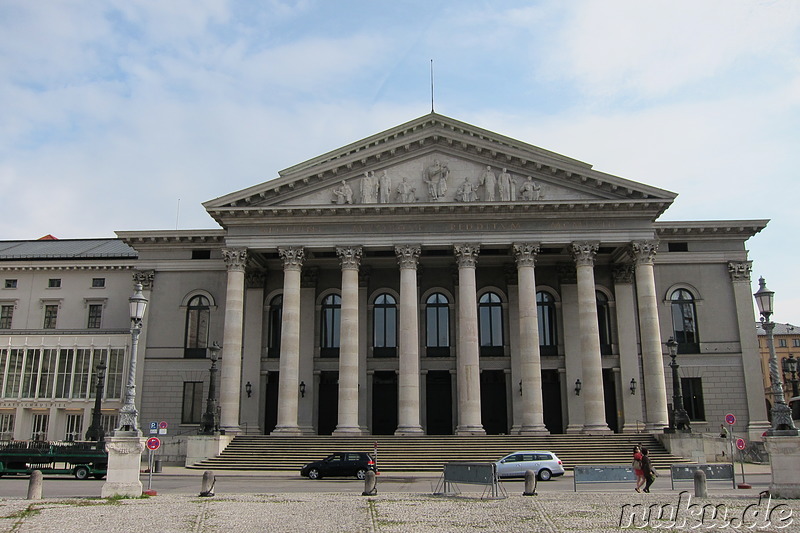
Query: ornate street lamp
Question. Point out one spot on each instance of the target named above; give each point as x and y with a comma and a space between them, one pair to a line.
128, 415
680, 418
782, 424
790, 367
209, 424
95, 431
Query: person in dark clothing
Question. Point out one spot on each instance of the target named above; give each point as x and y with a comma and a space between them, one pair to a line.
647, 468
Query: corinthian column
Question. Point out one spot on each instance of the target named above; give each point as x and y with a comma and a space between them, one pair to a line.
350, 258
408, 419
655, 388
530, 361
467, 357
290, 342
231, 375
591, 362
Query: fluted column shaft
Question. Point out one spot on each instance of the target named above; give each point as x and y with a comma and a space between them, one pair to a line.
591, 362
655, 387
467, 358
288, 386
231, 374
350, 258
408, 415
530, 359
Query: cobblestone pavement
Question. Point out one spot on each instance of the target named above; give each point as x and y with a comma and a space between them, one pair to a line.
402, 512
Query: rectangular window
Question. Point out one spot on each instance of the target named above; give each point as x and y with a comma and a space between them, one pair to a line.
10, 284
692, 389
50, 316
95, 316
80, 383
678, 246
14, 376
74, 428
6, 314
40, 424
30, 378
99, 357
108, 423
782, 343
64, 376
48, 373
54, 283
795, 342
116, 359
192, 402
98, 283
6, 426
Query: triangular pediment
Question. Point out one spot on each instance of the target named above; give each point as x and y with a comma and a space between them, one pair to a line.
437, 160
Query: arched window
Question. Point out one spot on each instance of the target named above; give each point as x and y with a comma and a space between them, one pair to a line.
604, 323
274, 317
437, 325
490, 324
330, 323
546, 311
384, 325
684, 321
198, 313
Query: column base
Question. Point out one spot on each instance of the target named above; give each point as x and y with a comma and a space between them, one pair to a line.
289, 431
230, 430
784, 461
470, 430
348, 431
656, 427
534, 430
307, 430
409, 430
596, 429
573, 429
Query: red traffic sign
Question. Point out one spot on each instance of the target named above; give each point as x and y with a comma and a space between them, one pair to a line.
162, 425
730, 419
740, 444
153, 443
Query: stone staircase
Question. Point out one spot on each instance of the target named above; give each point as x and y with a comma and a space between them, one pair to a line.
429, 453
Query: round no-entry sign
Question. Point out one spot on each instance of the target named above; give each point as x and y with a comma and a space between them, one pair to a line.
730, 419
740, 444
153, 443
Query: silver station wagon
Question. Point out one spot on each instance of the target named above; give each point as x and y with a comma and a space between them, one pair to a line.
545, 464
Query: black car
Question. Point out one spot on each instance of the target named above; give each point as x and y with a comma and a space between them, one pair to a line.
340, 464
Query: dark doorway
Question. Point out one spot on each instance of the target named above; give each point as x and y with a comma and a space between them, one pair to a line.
439, 402
271, 410
551, 399
328, 413
610, 399
384, 403
494, 415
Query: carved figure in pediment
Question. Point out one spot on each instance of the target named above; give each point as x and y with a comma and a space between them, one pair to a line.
435, 176
466, 192
531, 190
343, 194
406, 192
369, 188
384, 188
489, 182
507, 186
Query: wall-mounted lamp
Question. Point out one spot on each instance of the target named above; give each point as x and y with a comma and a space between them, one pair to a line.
633, 386
520, 387
248, 388
302, 389
578, 386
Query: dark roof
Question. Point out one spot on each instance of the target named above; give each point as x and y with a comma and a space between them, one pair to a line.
66, 249
780, 329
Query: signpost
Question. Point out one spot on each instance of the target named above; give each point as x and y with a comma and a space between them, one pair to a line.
153, 443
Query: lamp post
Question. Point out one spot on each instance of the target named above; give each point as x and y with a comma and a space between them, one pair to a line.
790, 367
210, 424
95, 431
128, 415
782, 424
680, 418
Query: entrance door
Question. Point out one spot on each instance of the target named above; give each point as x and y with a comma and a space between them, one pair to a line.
610, 399
271, 410
439, 402
494, 415
328, 411
551, 398
384, 403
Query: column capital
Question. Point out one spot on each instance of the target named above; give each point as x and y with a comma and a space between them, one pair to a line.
349, 256
309, 277
408, 255
584, 252
740, 270
467, 254
526, 253
292, 257
255, 279
235, 258
623, 273
644, 252
146, 278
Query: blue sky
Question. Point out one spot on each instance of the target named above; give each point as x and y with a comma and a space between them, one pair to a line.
127, 115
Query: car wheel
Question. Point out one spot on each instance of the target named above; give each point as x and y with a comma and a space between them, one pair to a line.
361, 474
314, 474
545, 475
81, 472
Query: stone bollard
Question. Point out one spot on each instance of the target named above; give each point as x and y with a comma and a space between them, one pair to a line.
370, 484
35, 485
700, 489
208, 484
530, 483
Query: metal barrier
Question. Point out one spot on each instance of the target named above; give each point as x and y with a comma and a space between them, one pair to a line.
472, 474
601, 474
714, 472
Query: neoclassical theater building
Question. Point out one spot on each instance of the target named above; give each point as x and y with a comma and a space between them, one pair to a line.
439, 278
